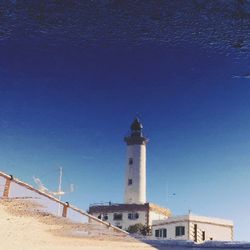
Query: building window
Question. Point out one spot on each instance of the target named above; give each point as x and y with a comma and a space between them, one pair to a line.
130, 161
203, 235
164, 233
161, 233
133, 216
117, 216
179, 231
157, 233
195, 233
130, 182
103, 217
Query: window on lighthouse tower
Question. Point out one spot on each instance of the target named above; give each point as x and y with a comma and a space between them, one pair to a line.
130, 161
130, 181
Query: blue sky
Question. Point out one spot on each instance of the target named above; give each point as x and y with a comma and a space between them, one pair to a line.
71, 107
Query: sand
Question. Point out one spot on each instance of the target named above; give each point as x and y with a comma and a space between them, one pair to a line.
23, 227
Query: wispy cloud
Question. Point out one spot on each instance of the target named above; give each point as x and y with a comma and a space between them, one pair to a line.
87, 157
244, 76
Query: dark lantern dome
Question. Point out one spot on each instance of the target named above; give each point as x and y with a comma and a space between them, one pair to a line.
136, 125
136, 136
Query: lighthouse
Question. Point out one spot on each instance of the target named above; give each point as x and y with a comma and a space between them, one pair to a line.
135, 208
135, 176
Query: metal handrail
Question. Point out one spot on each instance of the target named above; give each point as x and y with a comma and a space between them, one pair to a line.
64, 204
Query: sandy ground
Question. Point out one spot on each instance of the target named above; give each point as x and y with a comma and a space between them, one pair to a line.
24, 228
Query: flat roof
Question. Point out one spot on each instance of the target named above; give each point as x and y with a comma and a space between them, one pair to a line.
128, 207
194, 218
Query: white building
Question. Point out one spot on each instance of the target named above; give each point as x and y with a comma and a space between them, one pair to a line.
193, 227
125, 215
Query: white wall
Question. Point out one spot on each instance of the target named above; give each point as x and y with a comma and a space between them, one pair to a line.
136, 193
214, 228
156, 216
171, 230
125, 222
216, 232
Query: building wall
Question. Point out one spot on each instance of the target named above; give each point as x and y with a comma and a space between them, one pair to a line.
125, 222
171, 231
212, 232
156, 216
144, 218
215, 229
136, 192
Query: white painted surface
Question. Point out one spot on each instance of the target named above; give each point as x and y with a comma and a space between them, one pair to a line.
214, 228
2, 184
136, 192
154, 216
212, 231
125, 222
171, 230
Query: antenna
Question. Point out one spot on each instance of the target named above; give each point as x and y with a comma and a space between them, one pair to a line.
40, 185
59, 193
59, 190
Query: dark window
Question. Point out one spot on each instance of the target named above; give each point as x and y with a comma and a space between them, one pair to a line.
179, 231
133, 216
130, 161
117, 216
157, 233
130, 181
105, 217
164, 233
211, 238
195, 233
161, 233
203, 235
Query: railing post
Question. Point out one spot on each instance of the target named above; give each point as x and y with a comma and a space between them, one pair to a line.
7, 188
65, 208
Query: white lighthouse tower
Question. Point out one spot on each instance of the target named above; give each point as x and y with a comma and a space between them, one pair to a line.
135, 208
135, 177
